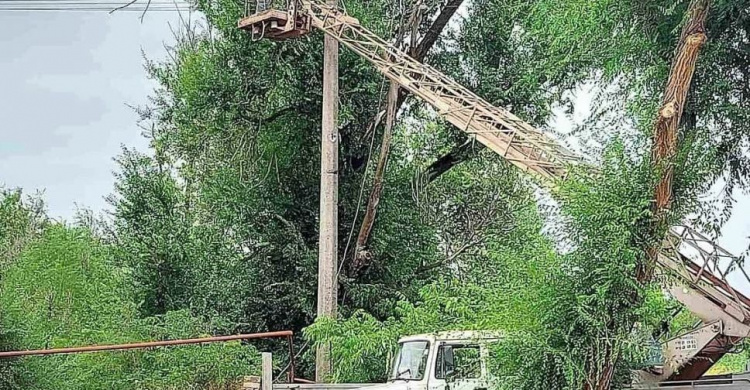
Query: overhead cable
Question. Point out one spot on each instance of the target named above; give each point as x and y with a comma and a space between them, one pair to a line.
93, 5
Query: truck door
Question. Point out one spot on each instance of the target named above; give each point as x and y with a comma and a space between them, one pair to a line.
458, 367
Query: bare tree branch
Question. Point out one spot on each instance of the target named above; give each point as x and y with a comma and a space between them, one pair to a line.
432, 34
131, 2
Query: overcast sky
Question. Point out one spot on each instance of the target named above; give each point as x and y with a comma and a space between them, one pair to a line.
65, 82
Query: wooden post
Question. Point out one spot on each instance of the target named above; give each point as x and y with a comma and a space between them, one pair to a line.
329, 182
266, 380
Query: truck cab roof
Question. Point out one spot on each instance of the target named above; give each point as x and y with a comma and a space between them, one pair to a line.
455, 335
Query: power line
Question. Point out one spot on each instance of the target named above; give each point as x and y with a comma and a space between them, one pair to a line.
99, 5
94, 5
142, 3
74, 3
95, 9
67, 4
62, 3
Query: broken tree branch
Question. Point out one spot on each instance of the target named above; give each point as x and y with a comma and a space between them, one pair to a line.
665, 129
396, 98
361, 256
445, 162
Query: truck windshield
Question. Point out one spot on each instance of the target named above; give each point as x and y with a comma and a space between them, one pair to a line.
411, 361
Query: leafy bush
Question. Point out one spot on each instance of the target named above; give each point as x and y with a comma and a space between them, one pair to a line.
64, 290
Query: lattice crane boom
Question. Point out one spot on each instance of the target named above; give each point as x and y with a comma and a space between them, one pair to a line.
686, 253
518, 142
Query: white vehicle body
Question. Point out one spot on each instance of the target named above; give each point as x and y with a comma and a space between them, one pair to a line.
459, 360
453, 360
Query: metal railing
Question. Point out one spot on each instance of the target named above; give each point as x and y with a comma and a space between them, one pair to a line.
164, 343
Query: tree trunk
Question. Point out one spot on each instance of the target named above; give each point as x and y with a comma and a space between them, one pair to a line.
430, 37
361, 256
663, 151
601, 373
664, 147
396, 98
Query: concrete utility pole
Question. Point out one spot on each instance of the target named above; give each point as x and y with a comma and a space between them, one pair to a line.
329, 183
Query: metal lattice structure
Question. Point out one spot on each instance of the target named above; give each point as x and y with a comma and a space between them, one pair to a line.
704, 265
517, 141
686, 254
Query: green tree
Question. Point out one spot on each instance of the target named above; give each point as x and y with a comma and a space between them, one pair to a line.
21, 221
234, 131
64, 290
625, 47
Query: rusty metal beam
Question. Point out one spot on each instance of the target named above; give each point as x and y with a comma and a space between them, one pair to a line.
142, 345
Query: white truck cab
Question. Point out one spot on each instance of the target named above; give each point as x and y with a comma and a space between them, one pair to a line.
453, 360
459, 360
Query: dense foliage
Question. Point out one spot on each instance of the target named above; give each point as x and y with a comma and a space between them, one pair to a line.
214, 228
64, 289
601, 226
